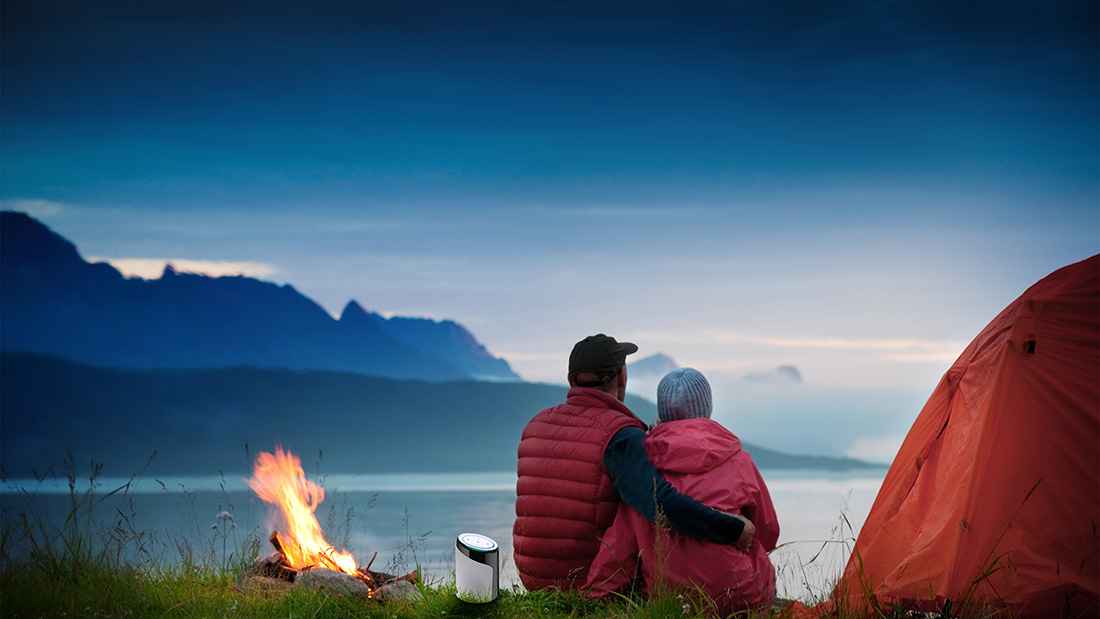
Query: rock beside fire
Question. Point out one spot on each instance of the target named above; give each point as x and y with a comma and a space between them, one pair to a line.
267, 575
336, 583
271, 574
271, 566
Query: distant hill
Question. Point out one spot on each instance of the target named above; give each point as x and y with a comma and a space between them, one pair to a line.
55, 303
200, 421
650, 368
783, 375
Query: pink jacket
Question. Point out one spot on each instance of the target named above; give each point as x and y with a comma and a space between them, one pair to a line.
704, 460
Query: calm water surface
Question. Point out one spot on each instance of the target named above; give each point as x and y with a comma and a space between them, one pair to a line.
414, 519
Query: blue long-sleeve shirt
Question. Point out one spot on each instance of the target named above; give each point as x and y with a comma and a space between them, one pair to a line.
641, 486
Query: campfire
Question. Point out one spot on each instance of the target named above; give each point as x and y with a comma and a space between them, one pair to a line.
302, 556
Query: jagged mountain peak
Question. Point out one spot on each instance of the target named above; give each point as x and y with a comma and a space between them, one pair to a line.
55, 303
353, 311
28, 242
450, 341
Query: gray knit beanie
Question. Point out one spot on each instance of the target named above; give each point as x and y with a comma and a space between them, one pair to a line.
683, 394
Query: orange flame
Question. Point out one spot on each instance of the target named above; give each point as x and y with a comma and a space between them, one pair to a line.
279, 479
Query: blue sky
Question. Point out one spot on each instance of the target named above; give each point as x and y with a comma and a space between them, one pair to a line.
853, 188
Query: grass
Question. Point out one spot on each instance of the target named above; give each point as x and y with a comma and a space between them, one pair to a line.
88, 564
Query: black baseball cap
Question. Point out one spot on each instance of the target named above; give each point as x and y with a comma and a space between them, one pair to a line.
600, 355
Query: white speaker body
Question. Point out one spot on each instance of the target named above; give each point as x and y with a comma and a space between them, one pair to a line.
477, 568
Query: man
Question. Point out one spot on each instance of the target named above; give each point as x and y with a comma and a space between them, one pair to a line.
577, 459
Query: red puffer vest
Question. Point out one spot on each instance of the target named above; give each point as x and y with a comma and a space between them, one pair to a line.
564, 496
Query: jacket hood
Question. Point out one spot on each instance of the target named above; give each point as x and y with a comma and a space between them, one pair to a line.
691, 445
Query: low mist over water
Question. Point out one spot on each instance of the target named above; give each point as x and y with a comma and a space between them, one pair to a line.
866, 424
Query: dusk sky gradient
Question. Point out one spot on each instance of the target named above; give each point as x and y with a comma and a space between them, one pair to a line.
852, 188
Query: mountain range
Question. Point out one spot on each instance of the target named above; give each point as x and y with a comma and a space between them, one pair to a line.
97, 366
54, 302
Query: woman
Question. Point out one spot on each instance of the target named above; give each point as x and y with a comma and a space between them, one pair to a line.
705, 460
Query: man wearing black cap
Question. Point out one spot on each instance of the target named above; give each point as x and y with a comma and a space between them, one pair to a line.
577, 459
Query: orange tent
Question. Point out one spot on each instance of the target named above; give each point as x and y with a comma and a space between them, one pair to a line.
994, 496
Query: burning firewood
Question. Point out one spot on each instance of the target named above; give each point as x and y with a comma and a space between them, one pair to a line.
268, 571
280, 480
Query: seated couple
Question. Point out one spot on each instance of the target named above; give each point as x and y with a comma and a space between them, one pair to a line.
592, 483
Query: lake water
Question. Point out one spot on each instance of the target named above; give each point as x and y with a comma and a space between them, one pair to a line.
414, 519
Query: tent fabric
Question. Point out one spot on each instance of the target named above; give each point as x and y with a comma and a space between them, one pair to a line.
994, 496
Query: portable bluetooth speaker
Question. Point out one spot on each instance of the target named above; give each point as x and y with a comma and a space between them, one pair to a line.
477, 568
